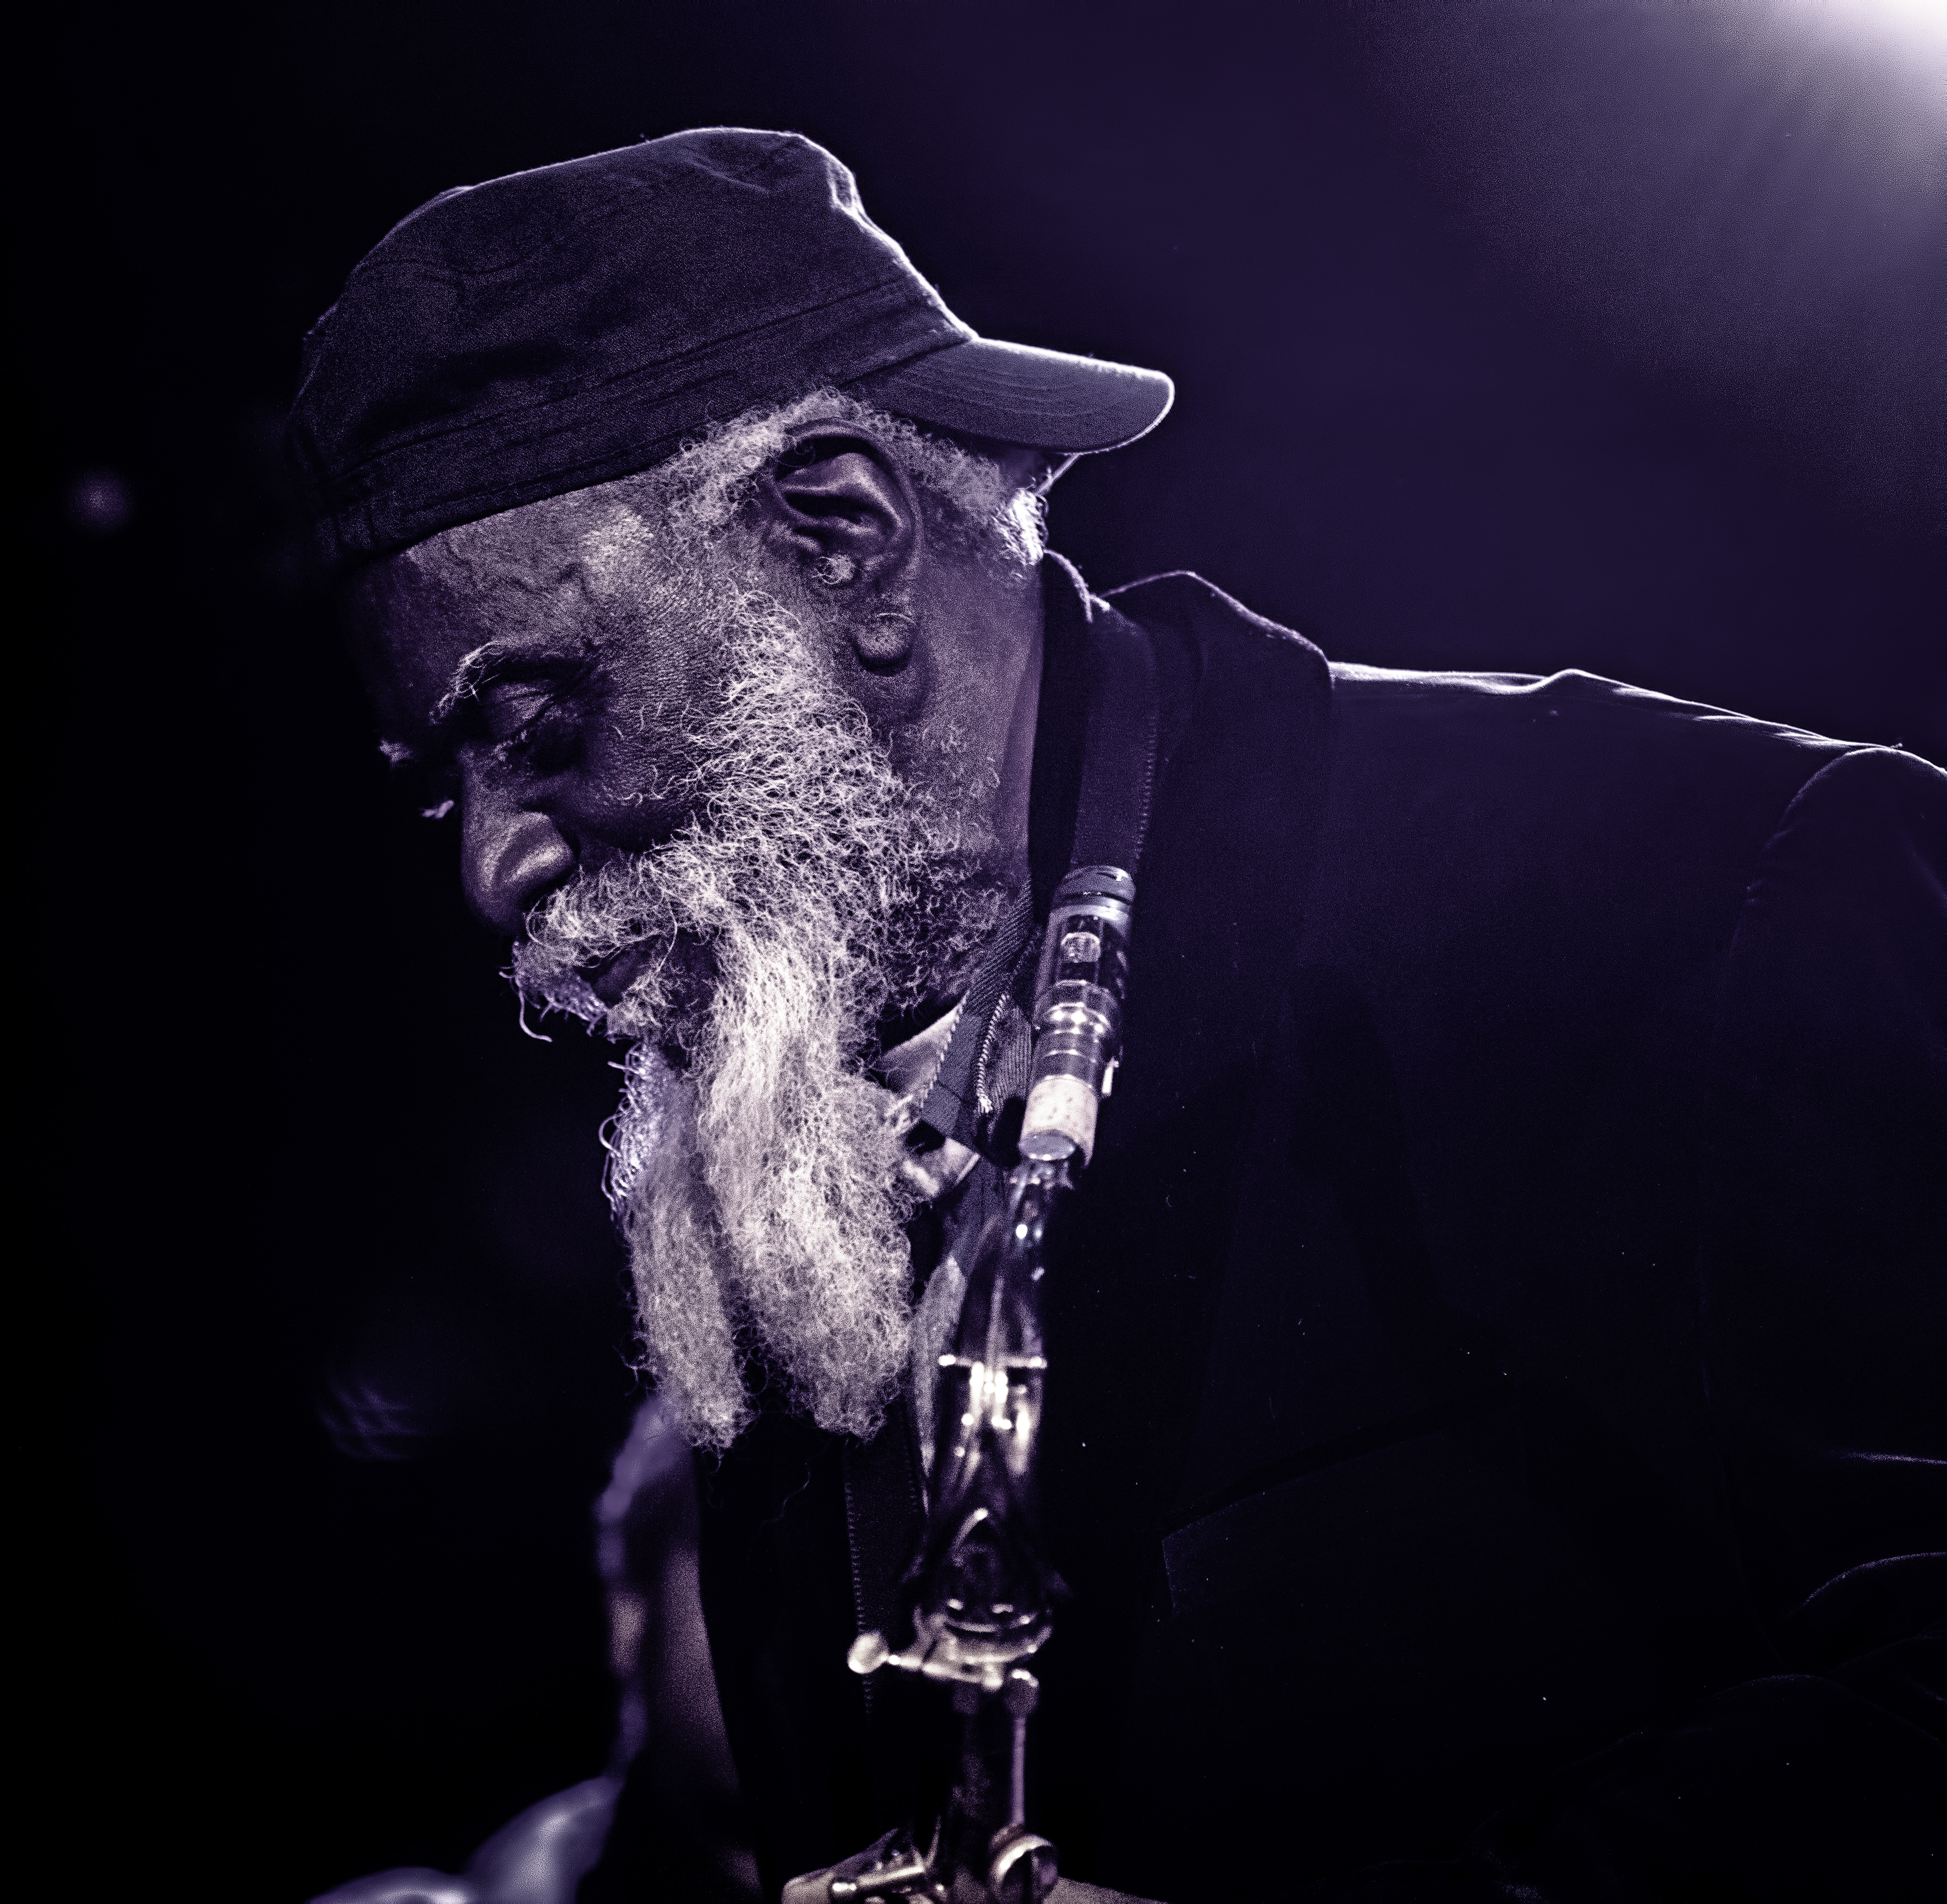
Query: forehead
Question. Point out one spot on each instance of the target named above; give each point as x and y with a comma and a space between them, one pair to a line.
555, 577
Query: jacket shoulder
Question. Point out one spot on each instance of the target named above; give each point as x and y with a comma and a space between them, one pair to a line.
1571, 753
1218, 626
1418, 707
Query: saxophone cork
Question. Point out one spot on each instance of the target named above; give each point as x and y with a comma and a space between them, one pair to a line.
1079, 989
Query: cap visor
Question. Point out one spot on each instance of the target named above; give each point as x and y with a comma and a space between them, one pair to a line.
1013, 393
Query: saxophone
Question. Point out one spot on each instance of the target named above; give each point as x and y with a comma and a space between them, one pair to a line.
980, 1591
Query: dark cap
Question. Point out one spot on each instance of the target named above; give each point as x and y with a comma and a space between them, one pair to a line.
567, 325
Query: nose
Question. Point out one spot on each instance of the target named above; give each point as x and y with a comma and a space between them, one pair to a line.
509, 857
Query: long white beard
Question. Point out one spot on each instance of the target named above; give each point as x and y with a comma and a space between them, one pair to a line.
758, 1184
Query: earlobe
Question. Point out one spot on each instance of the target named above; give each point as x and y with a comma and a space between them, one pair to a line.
884, 641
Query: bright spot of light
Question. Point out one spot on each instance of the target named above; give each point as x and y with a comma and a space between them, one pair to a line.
1910, 25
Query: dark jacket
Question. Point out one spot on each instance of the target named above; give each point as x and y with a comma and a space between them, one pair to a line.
1495, 1413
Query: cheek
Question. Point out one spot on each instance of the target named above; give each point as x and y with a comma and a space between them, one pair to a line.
635, 788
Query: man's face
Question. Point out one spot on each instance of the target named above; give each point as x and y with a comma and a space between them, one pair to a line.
544, 670
672, 801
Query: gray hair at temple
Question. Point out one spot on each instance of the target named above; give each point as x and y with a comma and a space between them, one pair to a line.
698, 491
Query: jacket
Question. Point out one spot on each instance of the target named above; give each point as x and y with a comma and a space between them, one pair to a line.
1495, 1433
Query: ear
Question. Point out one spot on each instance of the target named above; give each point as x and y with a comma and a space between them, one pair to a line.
843, 510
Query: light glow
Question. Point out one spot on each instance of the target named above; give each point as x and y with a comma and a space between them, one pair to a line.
1912, 26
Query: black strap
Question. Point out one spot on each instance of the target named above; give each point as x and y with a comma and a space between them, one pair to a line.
1118, 745
949, 1105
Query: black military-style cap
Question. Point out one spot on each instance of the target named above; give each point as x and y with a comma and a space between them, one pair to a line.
564, 327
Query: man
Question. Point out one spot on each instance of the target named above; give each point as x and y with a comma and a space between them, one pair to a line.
1493, 1439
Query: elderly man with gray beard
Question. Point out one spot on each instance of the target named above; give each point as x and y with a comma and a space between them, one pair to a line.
1493, 1445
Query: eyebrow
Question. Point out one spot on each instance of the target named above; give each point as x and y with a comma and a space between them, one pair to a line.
470, 674
462, 684
473, 668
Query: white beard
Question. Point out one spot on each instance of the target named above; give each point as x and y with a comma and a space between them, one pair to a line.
756, 1177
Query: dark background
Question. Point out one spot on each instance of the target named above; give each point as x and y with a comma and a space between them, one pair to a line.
1506, 335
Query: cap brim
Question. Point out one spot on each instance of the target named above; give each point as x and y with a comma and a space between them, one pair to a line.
1013, 393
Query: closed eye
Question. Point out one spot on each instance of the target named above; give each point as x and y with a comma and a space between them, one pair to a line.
526, 706
534, 727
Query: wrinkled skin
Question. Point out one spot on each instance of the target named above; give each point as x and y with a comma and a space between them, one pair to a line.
566, 752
